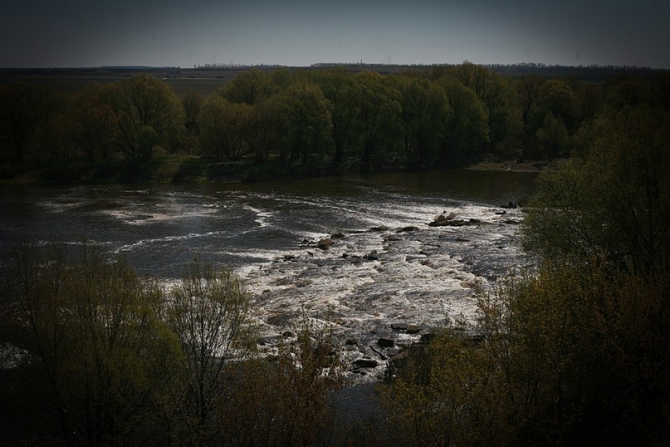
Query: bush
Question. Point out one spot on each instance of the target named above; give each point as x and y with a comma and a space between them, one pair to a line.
570, 355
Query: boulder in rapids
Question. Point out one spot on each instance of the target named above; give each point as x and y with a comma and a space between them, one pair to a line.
324, 243
366, 363
413, 329
386, 342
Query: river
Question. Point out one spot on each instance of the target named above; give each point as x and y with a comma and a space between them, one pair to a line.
389, 267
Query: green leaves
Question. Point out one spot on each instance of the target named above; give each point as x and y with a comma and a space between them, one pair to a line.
91, 326
148, 113
614, 201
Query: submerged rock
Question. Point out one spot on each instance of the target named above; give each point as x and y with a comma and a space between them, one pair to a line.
450, 221
380, 229
372, 256
386, 342
366, 363
413, 329
325, 243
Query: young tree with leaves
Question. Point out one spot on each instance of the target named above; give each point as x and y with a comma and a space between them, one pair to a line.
93, 356
209, 312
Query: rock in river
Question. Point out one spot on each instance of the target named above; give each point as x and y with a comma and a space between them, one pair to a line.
386, 342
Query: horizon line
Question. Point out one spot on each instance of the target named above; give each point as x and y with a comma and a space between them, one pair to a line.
539, 65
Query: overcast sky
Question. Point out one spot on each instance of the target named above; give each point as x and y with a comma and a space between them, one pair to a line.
91, 33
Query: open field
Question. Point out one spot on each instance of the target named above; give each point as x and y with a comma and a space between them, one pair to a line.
73, 84
206, 80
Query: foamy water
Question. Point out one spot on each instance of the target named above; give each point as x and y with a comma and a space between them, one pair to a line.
371, 279
389, 267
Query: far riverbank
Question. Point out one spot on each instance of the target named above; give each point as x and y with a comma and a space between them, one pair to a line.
193, 169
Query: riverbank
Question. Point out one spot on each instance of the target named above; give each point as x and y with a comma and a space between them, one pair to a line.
195, 169
512, 165
166, 169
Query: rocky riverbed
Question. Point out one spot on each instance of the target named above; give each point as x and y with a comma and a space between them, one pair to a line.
382, 288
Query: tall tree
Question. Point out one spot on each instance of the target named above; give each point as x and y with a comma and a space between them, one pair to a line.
225, 128
556, 97
251, 87
212, 125
467, 131
192, 101
338, 87
553, 138
209, 310
379, 122
505, 125
93, 123
148, 112
308, 124
425, 114
613, 202
52, 128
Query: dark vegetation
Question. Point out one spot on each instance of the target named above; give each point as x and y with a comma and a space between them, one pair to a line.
290, 123
92, 355
575, 351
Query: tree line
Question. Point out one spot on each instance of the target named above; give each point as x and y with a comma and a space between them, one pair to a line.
317, 122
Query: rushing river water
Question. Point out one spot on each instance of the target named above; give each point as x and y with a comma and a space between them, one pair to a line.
389, 268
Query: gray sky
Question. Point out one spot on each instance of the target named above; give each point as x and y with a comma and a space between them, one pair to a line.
76, 33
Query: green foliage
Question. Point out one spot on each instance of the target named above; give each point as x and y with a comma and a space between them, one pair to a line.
500, 98
84, 328
225, 128
307, 126
570, 355
468, 130
553, 139
340, 90
379, 115
576, 351
299, 123
425, 113
148, 113
93, 355
192, 102
448, 393
614, 201
286, 400
251, 87
93, 122
208, 310
556, 97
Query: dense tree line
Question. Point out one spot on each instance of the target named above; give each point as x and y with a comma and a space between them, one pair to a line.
317, 122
